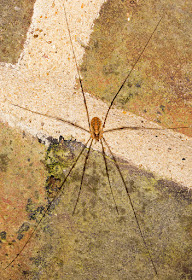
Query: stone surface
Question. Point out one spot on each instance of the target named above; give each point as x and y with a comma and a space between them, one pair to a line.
96, 243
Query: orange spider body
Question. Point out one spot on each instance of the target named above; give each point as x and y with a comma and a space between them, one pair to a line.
96, 129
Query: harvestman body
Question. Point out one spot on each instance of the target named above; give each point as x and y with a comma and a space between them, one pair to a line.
96, 131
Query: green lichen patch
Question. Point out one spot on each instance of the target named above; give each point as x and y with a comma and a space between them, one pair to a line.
96, 242
4, 162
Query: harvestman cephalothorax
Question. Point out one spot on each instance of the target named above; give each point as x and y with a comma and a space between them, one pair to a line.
96, 130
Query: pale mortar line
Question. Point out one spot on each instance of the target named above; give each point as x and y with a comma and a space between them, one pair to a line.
44, 81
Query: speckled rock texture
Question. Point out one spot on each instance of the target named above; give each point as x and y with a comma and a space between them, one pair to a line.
38, 72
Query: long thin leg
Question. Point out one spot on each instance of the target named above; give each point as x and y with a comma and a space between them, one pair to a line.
80, 81
52, 117
142, 128
84, 167
131, 203
128, 75
107, 172
49, 206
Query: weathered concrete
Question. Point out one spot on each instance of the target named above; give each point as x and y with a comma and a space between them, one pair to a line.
96, 243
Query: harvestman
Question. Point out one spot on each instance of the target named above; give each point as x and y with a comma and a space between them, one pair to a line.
96, 131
